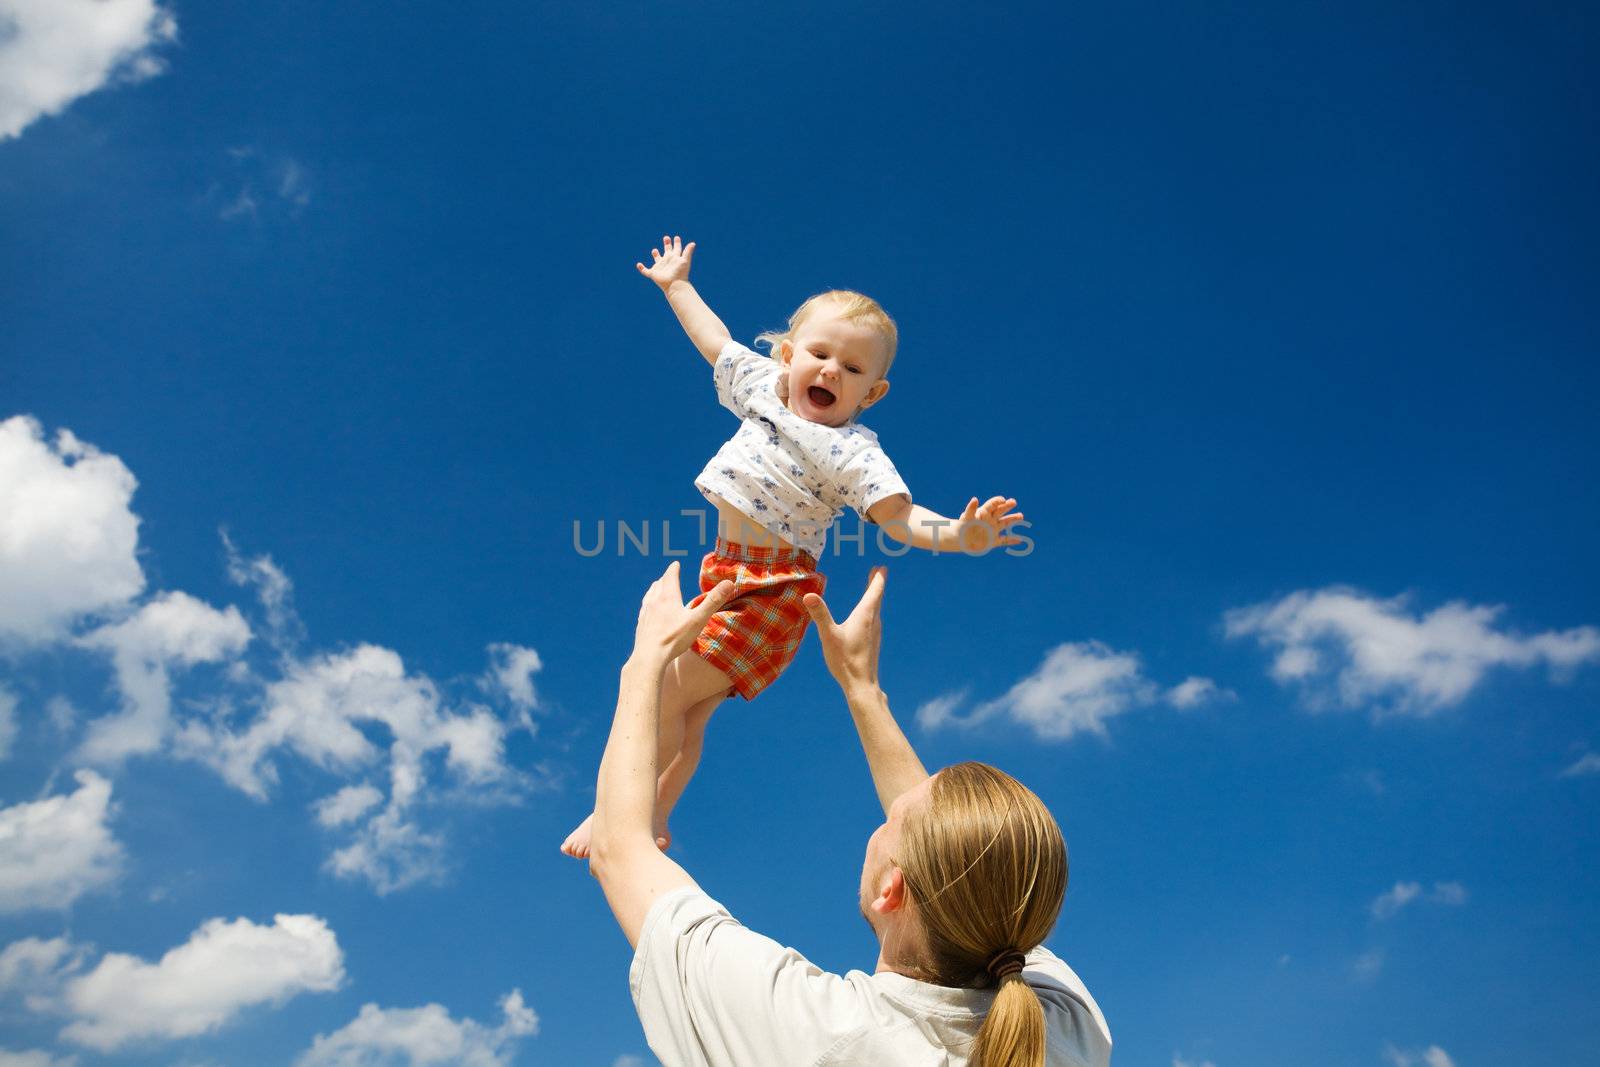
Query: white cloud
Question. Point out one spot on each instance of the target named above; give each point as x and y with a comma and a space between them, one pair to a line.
511, 671
1389, 904
628, 1061
54, 51
317, 711
941, 710
34, 1058
199, 986
67, 536
347, 805
391, 852
1195, 691
1075, 690
172, 630
1432, 1056
1179, 1061
52, 851
1588, 763
273, 589
1347, 648
8, 721
35, 968
418, 1037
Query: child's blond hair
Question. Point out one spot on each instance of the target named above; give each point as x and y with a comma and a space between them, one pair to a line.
853, 307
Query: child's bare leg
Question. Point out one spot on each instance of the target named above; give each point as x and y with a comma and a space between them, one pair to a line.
676, 777
689, 680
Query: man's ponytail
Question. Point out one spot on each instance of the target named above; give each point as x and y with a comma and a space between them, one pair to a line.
1012, 1034
986, 868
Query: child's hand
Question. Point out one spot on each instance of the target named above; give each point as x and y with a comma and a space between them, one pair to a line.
671, 262
983, 528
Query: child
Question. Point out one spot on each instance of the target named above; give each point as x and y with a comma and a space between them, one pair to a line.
798, 459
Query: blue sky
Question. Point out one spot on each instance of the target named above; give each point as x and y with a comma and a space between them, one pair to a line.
1278, 322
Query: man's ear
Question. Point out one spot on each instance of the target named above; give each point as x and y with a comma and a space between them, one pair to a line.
891, 892
879, 390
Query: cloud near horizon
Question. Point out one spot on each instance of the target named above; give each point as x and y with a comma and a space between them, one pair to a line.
201, 985
1345, 648
423, 1037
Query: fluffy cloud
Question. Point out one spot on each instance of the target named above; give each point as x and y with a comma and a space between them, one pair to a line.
1179, 1061
34, 968
52, 851
67, 536
1076, 689
317, 711
1432, 1056
174, 630
273, 589
511, 671
54, 51
418, 1037
347, 805
1389, 904
1343, 647
224, 968
67, 555
1194, 691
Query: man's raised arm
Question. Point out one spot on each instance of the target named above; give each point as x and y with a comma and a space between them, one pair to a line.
851, 651
623, 854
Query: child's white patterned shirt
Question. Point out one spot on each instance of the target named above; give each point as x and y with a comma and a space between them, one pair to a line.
790, 476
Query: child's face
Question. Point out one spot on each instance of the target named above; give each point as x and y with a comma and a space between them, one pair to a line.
835, 368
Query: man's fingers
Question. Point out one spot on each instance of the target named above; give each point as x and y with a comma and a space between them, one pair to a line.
817, 608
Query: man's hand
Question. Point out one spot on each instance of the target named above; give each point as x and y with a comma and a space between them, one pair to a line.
671, 262
850, 648
667, 626
985, 527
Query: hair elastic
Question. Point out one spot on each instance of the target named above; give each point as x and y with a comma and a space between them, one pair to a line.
1007, 961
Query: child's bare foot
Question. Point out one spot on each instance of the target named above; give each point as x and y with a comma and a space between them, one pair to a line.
577, 843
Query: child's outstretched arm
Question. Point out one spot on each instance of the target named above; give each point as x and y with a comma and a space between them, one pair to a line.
980, 527
670, 271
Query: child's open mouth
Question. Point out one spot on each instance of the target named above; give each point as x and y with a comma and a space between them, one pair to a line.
820, 397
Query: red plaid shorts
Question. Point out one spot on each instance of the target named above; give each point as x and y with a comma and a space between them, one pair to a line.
755, 637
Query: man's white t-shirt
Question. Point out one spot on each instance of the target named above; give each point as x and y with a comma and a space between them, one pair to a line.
711, 992
789, 475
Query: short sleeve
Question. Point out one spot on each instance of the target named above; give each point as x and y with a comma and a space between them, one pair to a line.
711, 992
746, 381
1077, 1023
867, 478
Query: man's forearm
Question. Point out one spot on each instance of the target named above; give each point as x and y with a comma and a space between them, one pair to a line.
705, 330
625, 795
894, 763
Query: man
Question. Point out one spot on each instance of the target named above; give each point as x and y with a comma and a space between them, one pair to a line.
961, 884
